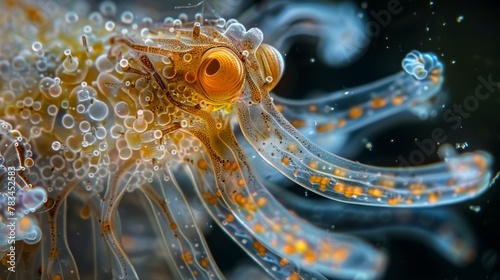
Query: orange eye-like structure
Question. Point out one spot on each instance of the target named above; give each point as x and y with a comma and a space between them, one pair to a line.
272, 64
221, 74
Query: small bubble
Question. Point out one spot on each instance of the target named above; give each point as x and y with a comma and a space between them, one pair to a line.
177, 23
109, 26
64, 104
52, 110
108, 8
18, 63
103, 146
187, 57
71, 17
460, 18
95, 17
144, 32
98, 110
369, 146
127, 17
475, 208
56, 145
87, 29
124, 63
68, 121
36, 46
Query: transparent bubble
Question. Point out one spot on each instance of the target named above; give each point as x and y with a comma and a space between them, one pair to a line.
71, 17
84, 126
127, 17
98, 110
108, 8
36, 46
121, 109
109, 26
68, 121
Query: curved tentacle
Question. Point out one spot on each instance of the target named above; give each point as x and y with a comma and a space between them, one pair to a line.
457, 178
61, 261
102, 258
438, 228
276, 266
326, 118
273, 225
117, 185
328, 121
187, 246
337, 27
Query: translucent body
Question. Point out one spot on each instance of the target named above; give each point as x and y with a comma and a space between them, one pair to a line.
338, 27
106, 106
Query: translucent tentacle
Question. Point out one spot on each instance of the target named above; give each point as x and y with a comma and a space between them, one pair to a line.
276, 266
458, 178
179, 231
337, 27
18, 197
324, 119
28, 263
61, 263
121, 266
274, 226
101, 258
438, 228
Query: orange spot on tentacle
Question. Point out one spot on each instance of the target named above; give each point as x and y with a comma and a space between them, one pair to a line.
355, 113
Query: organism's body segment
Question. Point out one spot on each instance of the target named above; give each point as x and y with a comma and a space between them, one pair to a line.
353, 109
95, 109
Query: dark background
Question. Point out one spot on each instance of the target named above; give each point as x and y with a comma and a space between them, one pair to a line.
468, 49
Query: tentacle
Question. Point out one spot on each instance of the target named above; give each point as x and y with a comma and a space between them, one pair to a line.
329, 121
458, 178
325, 119
276, 266
188, 249
102, 259
117, 185
438, 228
273, 225
18, 197
337, 27
61, 261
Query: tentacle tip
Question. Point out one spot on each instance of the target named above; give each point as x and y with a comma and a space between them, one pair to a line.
493, 181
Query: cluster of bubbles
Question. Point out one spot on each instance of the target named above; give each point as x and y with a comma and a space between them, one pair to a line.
74, 86
18, 198
66, 89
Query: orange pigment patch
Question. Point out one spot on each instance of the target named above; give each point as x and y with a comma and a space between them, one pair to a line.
285, 160
378, 103
398, 100
325, 127
355, 113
